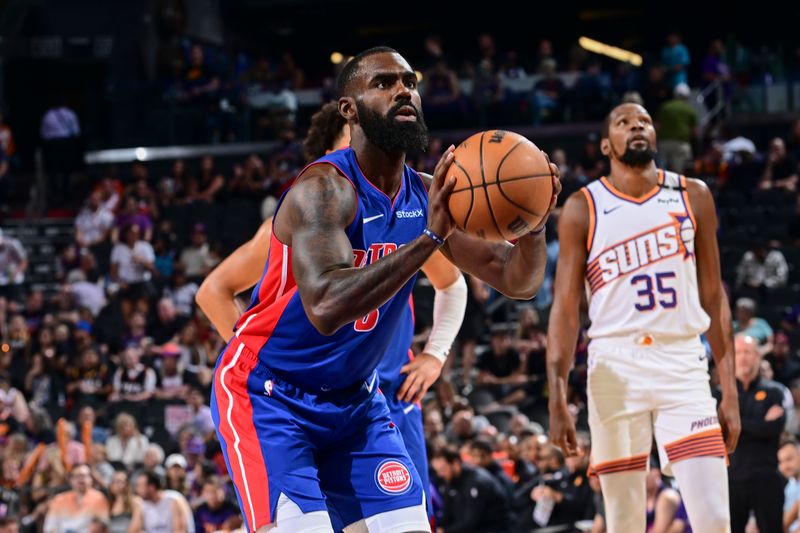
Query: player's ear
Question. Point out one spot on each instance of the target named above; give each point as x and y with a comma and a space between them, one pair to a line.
605, 146
347, 108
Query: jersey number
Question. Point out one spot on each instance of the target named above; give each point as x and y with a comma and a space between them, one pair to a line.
368, 322
667, 296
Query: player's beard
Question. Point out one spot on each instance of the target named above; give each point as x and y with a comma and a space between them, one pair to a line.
390, 135
640, 157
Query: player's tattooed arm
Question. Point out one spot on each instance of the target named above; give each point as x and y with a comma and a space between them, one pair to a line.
515, 270
715, 303
313, 219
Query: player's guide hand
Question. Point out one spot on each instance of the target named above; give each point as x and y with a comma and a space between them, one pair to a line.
439, 220
422, 372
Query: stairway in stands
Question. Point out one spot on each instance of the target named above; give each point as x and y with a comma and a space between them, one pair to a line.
43, 239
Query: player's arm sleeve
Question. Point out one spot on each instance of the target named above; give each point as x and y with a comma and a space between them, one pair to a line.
449, 304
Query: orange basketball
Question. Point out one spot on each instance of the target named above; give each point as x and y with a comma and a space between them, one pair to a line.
504, 185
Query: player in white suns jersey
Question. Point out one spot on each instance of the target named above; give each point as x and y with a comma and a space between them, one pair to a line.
641, 245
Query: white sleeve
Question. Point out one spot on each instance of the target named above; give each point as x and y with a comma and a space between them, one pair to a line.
448, 313
149, 380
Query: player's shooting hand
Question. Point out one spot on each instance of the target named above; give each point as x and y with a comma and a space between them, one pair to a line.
422, 372
439, 220
562, 428
730, 421
556, 177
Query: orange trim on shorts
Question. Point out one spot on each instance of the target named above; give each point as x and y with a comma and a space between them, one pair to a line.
592, 219
628, 464
704, 444
685, 194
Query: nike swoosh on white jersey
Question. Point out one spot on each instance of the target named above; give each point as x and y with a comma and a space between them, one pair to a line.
370, 219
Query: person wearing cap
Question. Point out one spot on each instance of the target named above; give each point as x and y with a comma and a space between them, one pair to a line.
13, 264
171, 379
676, 121
176, 466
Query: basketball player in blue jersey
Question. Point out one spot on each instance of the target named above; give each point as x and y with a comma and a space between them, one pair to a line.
403, 379
641, 245
306, 434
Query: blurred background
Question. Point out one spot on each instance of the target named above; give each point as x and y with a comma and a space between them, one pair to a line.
184, 119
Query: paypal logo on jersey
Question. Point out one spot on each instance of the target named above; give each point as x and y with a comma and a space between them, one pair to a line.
414, 213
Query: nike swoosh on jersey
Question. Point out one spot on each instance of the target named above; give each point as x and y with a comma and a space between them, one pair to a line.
370, 219
607, 211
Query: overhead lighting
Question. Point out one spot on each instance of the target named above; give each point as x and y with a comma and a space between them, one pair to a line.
419, 75
613, 52
336, 58
141, 154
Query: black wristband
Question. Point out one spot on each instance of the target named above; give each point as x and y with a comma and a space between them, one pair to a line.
437, 239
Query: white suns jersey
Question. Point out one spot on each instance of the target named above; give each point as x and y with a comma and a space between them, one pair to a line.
641, 275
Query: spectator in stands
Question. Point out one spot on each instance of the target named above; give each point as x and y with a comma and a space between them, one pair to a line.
216, 512
90, 383
197, 258
591, 93
196, 354
13, 264
133, 381
755, 484
153, 459
547, 98
126, 445
780, 168
7, 144
129, 215
13, 407
762, 267
176, 473
60, 131
168, 324
443, 105
747, 323
44, 386
481, 451
473, 501
591, 164
768, 374
132, 266
210, 182
675, 58
665, 511
465, 426
676, 121
248, 181
714, 69
501, 371
785, 363
789, 466
199, 82
201, 412
125, 507
74, 510
159, 513
171, 381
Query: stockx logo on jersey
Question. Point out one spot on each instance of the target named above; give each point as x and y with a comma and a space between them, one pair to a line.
376, 251
623, 258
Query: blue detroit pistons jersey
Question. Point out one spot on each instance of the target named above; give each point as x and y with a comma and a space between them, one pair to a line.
398, 353
276, 327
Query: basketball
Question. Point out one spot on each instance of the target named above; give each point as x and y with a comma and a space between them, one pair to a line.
503, 185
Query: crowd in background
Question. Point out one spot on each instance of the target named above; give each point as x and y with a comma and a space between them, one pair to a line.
104, 381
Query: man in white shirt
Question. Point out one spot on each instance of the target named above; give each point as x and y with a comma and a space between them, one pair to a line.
132, 266
94, 222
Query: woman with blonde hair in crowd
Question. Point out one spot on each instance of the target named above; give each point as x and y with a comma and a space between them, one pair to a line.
126, 508
127, 444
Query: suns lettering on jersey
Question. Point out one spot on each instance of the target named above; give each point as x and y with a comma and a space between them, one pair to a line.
659, 243
362, 258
